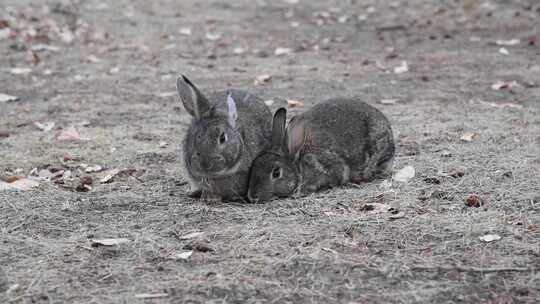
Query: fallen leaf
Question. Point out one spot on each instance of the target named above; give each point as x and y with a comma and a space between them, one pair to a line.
12, 178
343, 19
501, 85
46, 126
468, 136
68, 157
262, 79
70, 134
151, 295
182, 255
490, 238
91, 169
22, 184
239, 51
280, 51
504, 51
21, 71
507, 42
380, 65
186, 31
391, 101
213, 36
294, 103
8, 98
404, 175
474, 201
93, 59
108, 242
108, 175
396, 216
403, 68
191, 235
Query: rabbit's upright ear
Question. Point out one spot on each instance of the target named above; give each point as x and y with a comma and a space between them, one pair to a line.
194, 101
296, 135
232, 115
278, 128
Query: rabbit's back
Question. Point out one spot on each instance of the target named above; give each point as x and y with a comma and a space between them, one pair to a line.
356, 133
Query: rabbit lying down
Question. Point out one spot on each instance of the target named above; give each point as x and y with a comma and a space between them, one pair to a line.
335, 142
227, 131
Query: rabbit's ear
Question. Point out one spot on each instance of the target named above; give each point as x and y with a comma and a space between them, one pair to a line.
278, 128
232, 115
194, 101
296, 135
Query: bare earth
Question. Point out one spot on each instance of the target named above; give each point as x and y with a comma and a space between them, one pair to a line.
113, 79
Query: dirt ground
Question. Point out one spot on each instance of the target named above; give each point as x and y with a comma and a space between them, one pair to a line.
465, 112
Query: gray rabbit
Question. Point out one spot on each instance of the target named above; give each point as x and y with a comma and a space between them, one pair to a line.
336, 141
228, 131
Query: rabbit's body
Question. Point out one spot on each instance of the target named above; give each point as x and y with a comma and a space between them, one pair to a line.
335, 142
228, 131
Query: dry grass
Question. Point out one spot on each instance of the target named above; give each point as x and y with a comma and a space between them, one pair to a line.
315, 249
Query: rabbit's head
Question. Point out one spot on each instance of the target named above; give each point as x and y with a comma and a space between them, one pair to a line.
274, 173
214, 145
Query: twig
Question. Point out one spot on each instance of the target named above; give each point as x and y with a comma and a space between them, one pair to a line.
473, 269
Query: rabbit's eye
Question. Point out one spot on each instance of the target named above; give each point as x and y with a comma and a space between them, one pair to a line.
222, 138
276, 173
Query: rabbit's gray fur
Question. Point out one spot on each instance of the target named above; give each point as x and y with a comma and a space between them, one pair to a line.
228, 131
335, 142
